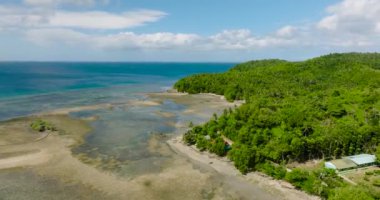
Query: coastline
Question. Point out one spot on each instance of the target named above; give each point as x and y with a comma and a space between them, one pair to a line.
50, 155
225, 167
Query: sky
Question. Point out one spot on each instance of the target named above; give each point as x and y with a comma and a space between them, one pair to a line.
185, 31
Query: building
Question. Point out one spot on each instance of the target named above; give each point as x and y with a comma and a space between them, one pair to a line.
340, 164
363, 160
351, 162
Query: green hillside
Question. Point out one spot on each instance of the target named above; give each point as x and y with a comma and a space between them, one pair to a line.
322, 108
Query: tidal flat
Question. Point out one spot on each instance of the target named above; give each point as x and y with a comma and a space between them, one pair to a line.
114, 151
124, 150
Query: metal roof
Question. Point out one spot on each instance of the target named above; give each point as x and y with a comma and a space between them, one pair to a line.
362, 159
341, 164
329, 165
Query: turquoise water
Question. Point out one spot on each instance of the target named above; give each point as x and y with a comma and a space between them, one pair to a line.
121, 134
30, 87
127, 140
21, 78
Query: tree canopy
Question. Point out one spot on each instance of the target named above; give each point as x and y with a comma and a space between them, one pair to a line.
325, 107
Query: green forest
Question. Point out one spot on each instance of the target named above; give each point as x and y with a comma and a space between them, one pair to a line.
322, 108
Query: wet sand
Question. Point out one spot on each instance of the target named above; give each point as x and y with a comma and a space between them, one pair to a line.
66, 111
53, 160
204, 105
46, 162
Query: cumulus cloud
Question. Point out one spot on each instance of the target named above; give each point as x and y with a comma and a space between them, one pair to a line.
161, 40
286, 31
352, 16
347, 25
244, 39
351, 23
119, 41
225, 40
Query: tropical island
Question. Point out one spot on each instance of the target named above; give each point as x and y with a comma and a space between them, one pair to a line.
295, 113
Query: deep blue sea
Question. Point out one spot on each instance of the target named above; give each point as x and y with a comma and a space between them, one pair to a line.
29, 87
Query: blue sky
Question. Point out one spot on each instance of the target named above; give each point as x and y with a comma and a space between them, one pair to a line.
196, 30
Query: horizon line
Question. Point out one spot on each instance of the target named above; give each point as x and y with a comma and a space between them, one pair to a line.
87, 61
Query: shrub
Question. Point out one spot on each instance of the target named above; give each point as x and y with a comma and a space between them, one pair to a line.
218, 147
41, 126
202, 144
369, 173
351, 192
376, 183
244, 158
306, 181
277, 172
189, 138
297, 177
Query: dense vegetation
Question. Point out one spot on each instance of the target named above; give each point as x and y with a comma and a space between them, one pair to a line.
41, 126
322, 108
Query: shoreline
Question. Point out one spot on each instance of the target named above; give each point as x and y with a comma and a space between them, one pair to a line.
225, 167
50, 155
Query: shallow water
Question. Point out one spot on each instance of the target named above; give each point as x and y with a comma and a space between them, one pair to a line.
24, 184
127, 140
30, 87
123, 134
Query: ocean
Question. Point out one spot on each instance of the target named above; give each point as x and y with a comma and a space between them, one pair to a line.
31, 87
122, 133
124, 155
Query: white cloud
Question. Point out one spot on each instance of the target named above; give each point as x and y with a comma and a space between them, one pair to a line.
350, 24
13, 17
161, 40
19, 17
243, 39
226, 40
347, 26
59, 2
286, 31
231, 39
120, 41
46, 37
352, 17
104, 20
